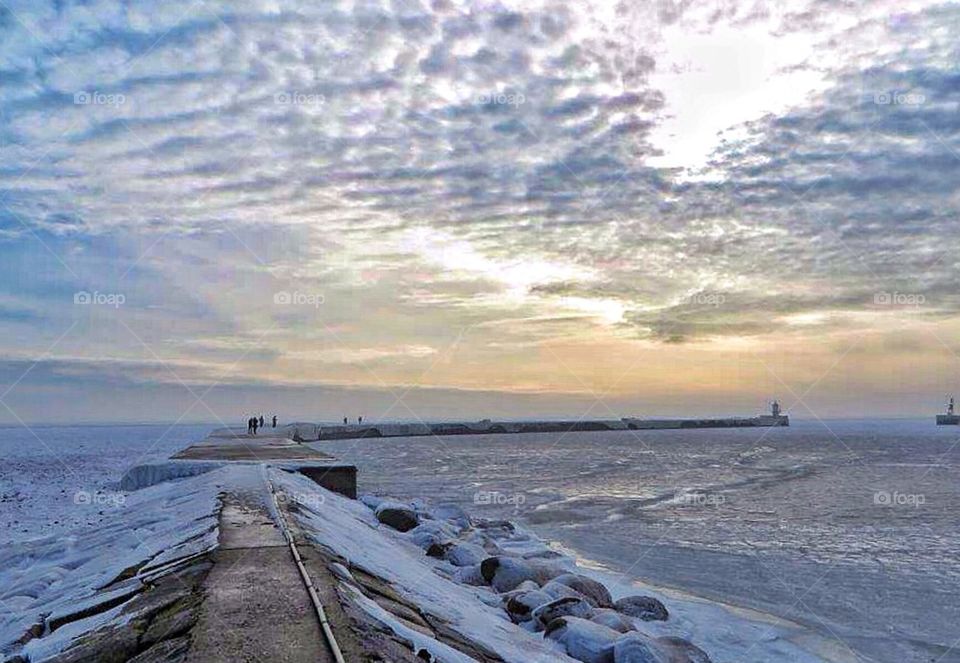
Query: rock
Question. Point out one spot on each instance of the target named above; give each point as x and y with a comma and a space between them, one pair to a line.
638, 648
470, 575
595, 592
401, 517
646, 608
559, 590
613, 619
428, 534
521, 605
465, 554
568, 607
452, 514
342, 572
682, 651
583, 640
504, 573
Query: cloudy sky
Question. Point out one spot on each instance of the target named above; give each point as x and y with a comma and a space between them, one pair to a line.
493, 208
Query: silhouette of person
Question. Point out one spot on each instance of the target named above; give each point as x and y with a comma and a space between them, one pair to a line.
274, 421
359, 420
249, 425
254, 421
344, 421
261, 421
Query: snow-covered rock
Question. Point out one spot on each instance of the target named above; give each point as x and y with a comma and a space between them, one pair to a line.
646, 608
595, 592
569, 607
583, 639
613, 619
401, 517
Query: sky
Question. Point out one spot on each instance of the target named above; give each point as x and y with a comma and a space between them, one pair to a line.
421, 210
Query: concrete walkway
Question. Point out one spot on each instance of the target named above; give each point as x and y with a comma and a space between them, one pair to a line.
256, 607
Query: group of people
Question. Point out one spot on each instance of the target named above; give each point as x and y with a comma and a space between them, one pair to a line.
253, 423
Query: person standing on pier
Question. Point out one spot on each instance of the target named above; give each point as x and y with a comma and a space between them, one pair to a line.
249, 425
261, 421
254, 422
274, 421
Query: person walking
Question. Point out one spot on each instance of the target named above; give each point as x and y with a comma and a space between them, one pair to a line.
254, 421
261, 421
359, 420
249, 425
274, 421
344, 421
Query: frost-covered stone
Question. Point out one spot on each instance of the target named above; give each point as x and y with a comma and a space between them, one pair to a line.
465, 554
595, 592
638, 648
401, 517
521, 605
583, 639
558, 591
613, 619
469, 575
451, 513
682, 651
506, 573
646, 608
569, 607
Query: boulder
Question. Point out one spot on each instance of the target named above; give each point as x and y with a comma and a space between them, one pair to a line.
682, 651
646, 608
569, 607
613, 619
595, 592
521, 605
639, 648
452, 514
559, 590
506, 573
469, 575
401, 517
583, 640
429, 534
465, 554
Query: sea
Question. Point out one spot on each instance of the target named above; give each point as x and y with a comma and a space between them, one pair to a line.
850, 528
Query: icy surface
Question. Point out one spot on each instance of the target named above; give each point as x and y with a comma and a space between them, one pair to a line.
60, 575
57, 478
795, 522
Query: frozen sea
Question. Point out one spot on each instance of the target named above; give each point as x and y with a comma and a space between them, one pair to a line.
851, 528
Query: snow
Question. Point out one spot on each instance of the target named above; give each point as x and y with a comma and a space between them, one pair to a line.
349, 529
58, 575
